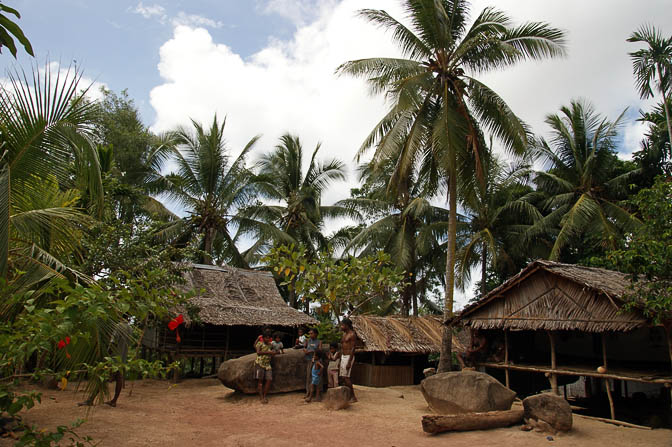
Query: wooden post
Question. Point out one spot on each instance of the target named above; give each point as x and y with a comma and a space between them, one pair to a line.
553, 377
226, 349
606, 381
214, 366
506, 358
200, 372
667, 325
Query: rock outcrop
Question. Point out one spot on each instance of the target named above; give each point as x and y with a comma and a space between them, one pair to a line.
548, 410
337, 398
289, 373
465, 392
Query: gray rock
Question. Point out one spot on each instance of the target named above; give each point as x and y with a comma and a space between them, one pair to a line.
337, 398
289, 373
465, 392
550, 409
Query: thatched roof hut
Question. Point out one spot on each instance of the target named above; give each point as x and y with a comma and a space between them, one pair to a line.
412, 335
554, 296
230, 296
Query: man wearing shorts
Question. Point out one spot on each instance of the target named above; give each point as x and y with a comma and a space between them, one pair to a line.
347, 354
262, 365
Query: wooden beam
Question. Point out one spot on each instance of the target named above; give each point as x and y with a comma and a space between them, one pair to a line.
568, 372
554, 364
506, 357
606, 380
614, 421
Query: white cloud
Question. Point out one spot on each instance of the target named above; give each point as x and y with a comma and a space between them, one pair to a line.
290, 85
194, 21
298, 12
150, 11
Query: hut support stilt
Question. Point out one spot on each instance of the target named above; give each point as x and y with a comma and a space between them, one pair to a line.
668, 332
226, 349
553, 378
606, 381
506, 357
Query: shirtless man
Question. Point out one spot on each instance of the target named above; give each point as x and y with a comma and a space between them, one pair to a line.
347, 354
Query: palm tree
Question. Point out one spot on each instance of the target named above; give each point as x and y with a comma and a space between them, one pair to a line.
654, 61
407, 226
211, 188
438, 103
8, 29
495, 216
45, 129
294, 198
581, 190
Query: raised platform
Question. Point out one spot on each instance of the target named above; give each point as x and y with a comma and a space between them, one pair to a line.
587, 371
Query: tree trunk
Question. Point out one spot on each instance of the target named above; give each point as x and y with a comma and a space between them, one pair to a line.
414, 293
292, 294
406, 296
471, 421
665, 108
446, 359
484, 270
207, 245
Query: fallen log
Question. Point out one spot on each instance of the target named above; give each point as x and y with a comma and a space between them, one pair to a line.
471, 421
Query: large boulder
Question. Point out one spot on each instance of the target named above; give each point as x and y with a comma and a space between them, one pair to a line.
337, 398
289, 373
465, 392
548, 408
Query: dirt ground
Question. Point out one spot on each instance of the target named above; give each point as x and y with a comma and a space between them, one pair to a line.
201, 412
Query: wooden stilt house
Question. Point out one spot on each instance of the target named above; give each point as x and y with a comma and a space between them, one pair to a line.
231, 306
394, 350
558, 322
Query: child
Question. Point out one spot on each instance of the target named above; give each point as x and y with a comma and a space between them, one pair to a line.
301, 341
277, 343
262, 365
334, 363
315, 374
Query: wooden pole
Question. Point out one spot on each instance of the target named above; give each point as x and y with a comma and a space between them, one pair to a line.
506, 357
606, 381
553, 377
668, 332
226, 349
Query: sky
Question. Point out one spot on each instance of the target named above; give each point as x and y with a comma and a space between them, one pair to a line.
268, 65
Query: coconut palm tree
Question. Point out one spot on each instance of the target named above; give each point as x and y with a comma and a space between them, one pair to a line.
407, 226
438, 103
45, 129
651, 63
581, 191
495, 216
294, 198
211, 187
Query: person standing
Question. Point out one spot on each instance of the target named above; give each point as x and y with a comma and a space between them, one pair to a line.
347, 354
262, 365
334, 358
312, 345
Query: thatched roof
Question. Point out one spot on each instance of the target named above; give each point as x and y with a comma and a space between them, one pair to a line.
555, 296
233, 296
417, 335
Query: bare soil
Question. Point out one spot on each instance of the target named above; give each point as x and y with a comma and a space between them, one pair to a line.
201, 412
